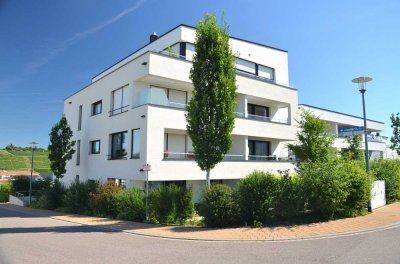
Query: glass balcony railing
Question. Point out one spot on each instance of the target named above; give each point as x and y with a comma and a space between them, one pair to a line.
228, 157
262, 118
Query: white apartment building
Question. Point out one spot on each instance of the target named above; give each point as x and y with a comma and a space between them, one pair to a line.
343, 125
132, 114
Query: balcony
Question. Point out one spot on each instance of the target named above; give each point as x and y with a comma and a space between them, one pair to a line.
262, 118
228, 157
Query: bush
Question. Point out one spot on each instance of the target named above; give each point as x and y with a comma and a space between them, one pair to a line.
388, 171
257, 194
5, 191
102, 202
326, 189
51, 198
21, 184
76, 199
290, 199
219, 207
130, 204
170, 204
358, 188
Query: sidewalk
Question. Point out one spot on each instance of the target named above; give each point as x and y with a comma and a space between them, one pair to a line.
380, 218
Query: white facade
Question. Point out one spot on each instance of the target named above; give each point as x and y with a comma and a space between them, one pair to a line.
145, 94
338, 122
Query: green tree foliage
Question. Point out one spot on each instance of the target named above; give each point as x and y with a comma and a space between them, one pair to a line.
314, 142
388, 171
210, 112
395, 139
354, 151
61, 147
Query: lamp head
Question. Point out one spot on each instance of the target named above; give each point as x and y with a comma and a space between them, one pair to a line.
362, 83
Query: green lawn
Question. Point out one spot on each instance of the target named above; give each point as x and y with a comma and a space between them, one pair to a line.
21, 160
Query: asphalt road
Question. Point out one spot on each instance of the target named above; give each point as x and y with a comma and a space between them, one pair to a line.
26, 238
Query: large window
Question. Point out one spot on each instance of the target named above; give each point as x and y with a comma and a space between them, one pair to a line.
135, 143
259, 150
258, 112
78, 152
95, 147
119, 101
118, 145
97, 108
80, 118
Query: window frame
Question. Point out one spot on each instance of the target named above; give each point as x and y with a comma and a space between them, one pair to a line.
91, 146
122, 108
135, 155
93, 113
80, 118
111, 156
78, 152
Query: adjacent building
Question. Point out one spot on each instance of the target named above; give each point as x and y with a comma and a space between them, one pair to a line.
344, 125
132, 114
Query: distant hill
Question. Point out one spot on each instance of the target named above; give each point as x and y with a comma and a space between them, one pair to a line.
21, 160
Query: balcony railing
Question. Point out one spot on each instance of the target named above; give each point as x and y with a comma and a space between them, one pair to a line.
370, 138
119, 110
262, 118
228, 157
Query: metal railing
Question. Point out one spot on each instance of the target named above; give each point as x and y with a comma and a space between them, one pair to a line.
117, 156
262, 118
119, 110
228, 157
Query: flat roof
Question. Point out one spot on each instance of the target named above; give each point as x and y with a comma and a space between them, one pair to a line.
336, 112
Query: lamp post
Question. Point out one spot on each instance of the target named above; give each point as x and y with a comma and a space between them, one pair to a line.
30, 181
362, 86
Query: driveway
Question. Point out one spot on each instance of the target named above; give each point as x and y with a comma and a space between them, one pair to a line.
26, 237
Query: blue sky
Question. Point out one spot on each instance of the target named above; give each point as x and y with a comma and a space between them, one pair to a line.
50, 49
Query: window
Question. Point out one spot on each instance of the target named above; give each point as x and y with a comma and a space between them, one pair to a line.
77, 178
95, 147
259, 150
96, 108
135, 143
119, 101
80, 118
118, 145
78, 152
182, 49
258, 112
117, 182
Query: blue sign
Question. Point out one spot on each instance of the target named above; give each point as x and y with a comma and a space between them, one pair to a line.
350, 129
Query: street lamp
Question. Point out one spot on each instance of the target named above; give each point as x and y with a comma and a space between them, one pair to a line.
30, 182
362, 86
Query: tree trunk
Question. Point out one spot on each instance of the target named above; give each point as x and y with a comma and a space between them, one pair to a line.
208, 179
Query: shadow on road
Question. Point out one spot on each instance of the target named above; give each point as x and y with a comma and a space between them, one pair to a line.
54, 229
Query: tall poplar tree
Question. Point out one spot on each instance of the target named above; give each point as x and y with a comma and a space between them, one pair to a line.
395, 139
210, 113
61, 147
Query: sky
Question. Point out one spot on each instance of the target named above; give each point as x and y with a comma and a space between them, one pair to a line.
50, 49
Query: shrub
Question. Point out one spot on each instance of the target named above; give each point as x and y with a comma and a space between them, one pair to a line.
21, 184
76, 199
130, 204
326, 189
359, 188
102, 202
170, 204
290, 199
51, 198
388, 171
256, 197
5, 191
219, 207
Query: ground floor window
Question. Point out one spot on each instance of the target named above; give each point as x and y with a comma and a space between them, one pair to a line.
118, 182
